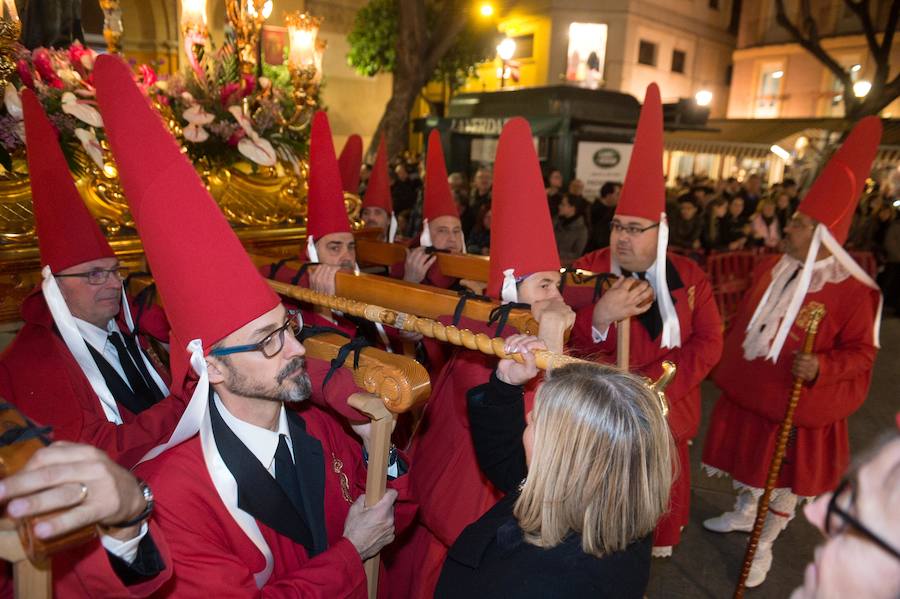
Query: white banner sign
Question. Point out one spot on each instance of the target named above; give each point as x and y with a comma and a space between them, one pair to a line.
600, 162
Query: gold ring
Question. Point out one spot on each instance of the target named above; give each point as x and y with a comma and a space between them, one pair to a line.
84, 492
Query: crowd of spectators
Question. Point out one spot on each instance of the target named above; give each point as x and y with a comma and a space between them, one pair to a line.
704, 216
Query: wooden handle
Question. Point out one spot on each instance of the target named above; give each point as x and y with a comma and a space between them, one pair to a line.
623, 343
762, 509
382, 424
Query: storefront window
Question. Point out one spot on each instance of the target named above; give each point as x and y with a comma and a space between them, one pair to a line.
586, 54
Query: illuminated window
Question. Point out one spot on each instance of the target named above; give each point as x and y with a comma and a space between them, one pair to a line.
647, 53
768, 91
587, 54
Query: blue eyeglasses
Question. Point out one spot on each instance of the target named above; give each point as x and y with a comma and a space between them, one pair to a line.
272, 344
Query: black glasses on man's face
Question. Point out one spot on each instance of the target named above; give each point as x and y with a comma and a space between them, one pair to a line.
272, 343
630, 230
98, 276
838, 518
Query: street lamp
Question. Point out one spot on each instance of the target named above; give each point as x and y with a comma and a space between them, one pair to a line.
703, 97
861, 88
486, 10
505, 51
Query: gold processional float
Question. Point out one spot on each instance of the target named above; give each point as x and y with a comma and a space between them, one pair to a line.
259, 182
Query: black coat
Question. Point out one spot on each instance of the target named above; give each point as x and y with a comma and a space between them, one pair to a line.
491, 558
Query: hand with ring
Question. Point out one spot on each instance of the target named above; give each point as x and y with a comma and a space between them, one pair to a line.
79, 479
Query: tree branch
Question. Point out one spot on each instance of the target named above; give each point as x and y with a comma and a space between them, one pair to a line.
861, 9
450, 24
889, 30
812, 45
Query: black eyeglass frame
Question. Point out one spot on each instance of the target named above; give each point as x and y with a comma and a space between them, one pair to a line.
851, 521
100, 275
630, 230
293, 316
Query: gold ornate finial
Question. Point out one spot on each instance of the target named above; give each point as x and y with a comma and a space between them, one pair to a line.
659, 386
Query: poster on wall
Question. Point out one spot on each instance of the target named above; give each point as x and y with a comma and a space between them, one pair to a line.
587, 54
598, 162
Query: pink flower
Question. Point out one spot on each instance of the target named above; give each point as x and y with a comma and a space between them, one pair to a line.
44, 67
25, 74
229, 90
148, 75
82, 58
236, 137
249, 85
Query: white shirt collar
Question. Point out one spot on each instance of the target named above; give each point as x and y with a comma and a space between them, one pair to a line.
261, 442
94, 335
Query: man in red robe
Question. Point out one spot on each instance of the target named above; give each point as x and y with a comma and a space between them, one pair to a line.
764, 356
681, 324
350, 163
441, 228
255, 499
81, 486
451, 490
377, 209
77, 365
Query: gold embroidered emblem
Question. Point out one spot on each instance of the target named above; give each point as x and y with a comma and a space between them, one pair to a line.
805, 312
692, 293
338, 466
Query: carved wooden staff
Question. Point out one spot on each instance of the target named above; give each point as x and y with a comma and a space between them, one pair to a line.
762, 510
393, 384
425, 326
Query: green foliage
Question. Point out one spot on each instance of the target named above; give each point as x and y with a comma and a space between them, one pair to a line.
373, 42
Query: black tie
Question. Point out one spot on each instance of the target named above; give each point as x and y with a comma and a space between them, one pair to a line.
652, 318
286, 474
135, 379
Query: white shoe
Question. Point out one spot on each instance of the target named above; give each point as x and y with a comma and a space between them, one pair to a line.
730, 522
662, 551
762, 563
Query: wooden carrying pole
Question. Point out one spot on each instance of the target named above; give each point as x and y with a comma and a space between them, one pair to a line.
427, 327
392, 384
762, 510
623, 342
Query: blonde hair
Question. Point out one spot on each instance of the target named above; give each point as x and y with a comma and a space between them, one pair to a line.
601, 462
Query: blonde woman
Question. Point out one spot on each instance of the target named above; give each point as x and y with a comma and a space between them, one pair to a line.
597, 454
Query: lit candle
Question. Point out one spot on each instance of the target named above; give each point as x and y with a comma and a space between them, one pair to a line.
302, 33
193, 14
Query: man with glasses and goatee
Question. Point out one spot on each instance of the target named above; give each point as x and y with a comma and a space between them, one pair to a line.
78, 365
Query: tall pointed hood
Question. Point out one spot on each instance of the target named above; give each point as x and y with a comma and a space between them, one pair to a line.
522, 239
378, 192
209, 286
644, 190
833, 197
438, 197
67, 233
67, 236
349, 162
644, 196
831, 201
326, 212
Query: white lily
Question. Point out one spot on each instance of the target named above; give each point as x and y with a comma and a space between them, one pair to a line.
187, 97
258, 150
90, 144
195, 133
254, 147
83, 112
195, 115
13, 102
70, 76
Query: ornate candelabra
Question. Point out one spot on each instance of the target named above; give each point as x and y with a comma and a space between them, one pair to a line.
10, 30
305, 52
112, 25
247, 18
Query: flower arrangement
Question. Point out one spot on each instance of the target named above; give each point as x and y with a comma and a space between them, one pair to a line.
221, 115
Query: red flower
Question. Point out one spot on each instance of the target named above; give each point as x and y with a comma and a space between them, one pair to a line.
148, 75
25, 74
249, 85
237, 136
40, 58
77, 52
229, 90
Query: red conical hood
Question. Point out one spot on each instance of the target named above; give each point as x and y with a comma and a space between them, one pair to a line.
205, 278
350, 161
833, 197
644, 189
326, 212
67, 233
378, 192
521, 231
438, 198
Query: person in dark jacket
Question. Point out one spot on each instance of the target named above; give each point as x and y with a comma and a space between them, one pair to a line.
597, 454
571, 228
713, 236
